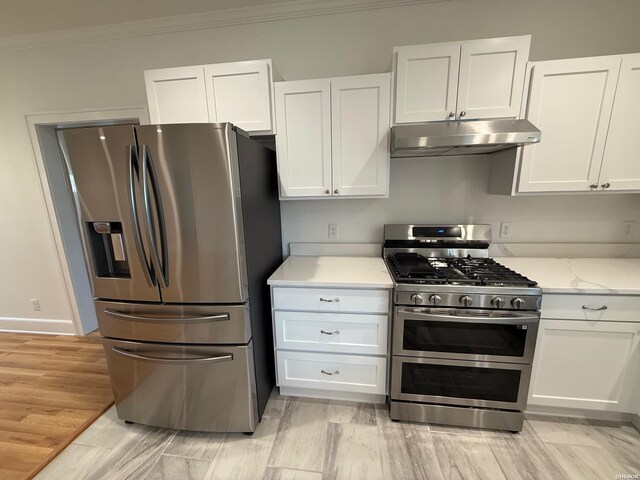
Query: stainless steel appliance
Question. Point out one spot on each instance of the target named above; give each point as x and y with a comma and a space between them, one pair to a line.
181, 228
464, 328
463, 137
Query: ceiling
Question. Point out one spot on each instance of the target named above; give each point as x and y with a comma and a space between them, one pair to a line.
21, 17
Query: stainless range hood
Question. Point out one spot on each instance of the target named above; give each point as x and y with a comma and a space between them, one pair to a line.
469, 137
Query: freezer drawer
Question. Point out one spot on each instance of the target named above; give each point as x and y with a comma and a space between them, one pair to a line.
203, 388
174, 323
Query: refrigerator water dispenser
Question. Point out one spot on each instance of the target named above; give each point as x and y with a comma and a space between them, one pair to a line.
107, 247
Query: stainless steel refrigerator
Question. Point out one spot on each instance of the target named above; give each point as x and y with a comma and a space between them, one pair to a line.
181, 228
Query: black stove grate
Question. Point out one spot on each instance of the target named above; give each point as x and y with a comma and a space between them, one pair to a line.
414, 268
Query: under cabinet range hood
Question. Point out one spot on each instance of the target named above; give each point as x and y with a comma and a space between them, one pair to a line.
467, 137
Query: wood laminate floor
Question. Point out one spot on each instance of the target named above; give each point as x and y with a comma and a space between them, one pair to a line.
309, 439
51, 387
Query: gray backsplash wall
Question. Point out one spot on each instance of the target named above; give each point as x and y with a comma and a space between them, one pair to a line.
454, 190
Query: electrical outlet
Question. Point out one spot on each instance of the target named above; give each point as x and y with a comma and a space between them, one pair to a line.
505, 230
35, 304
333, 231
628, 226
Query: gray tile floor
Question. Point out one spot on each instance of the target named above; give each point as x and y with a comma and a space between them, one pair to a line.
310, 439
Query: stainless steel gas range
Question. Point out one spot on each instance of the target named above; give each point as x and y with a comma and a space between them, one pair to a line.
464, 328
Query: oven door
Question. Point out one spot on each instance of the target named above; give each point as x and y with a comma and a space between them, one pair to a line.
457, 382
480, 335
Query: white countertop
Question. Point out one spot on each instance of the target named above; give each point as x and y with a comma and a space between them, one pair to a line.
580, 275
325, 271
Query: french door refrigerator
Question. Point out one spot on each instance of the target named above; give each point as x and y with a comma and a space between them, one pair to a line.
181, 228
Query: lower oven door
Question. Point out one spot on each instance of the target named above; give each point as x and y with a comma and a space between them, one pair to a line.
481, 335
205, 388
460, 382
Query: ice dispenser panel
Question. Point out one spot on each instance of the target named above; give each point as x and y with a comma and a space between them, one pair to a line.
108, 249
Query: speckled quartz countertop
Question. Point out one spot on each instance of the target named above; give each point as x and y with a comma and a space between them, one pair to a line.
580, 275
326, 271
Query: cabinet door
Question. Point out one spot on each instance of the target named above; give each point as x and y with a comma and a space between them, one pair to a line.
570, 102
492, 77
176, 95
240, 93
360, 134
621, 164
303, 113
586, 365
426, 82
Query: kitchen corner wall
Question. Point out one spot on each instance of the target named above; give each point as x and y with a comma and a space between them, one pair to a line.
108, 74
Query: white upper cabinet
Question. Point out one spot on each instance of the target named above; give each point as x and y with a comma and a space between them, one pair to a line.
304, 137
333, 137
359, 134
570, 101
621, 164
492, 77
176, 95
426, 82
237, 92
461, 80
240, 93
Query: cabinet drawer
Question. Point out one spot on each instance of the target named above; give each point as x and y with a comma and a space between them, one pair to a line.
622, 308
331, 300
345, 373
332, 332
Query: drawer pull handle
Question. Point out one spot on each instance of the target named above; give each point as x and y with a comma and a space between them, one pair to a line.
594, 309
335, 332
335, 372
164, 318
329, 300
160, 359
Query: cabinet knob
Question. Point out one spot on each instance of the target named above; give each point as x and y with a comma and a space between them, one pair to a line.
463, 113
452, 114
336, 191
605, 185
593, 186
327, 191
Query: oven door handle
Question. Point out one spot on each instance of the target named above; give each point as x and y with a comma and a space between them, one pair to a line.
404, 314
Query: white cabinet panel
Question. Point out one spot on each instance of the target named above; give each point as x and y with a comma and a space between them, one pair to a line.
304, 137
340, 333
360, 129
492, 77
426, 82
586, 365
240, 93
176, 95
610, 308
570, 102
345, 373
621, 164
331, 300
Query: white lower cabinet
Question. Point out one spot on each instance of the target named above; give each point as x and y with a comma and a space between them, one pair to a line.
345, 373
332, 342
586, 365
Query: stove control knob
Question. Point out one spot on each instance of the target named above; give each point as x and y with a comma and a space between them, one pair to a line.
497, 302
435, 300
517, 303
416, 299
466, 300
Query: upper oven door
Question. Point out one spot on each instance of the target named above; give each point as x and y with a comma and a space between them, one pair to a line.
480, 335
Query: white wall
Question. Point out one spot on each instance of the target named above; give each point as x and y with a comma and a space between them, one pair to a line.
109, 74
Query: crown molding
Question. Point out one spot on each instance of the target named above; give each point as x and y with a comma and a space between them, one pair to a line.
215, 19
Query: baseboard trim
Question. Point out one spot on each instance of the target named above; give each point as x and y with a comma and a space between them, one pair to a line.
332, 395
37, 325
579, 413
635, 420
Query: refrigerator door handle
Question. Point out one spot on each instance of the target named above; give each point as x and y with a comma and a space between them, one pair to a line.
156, 359
148, 172
133, 161
144, 318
